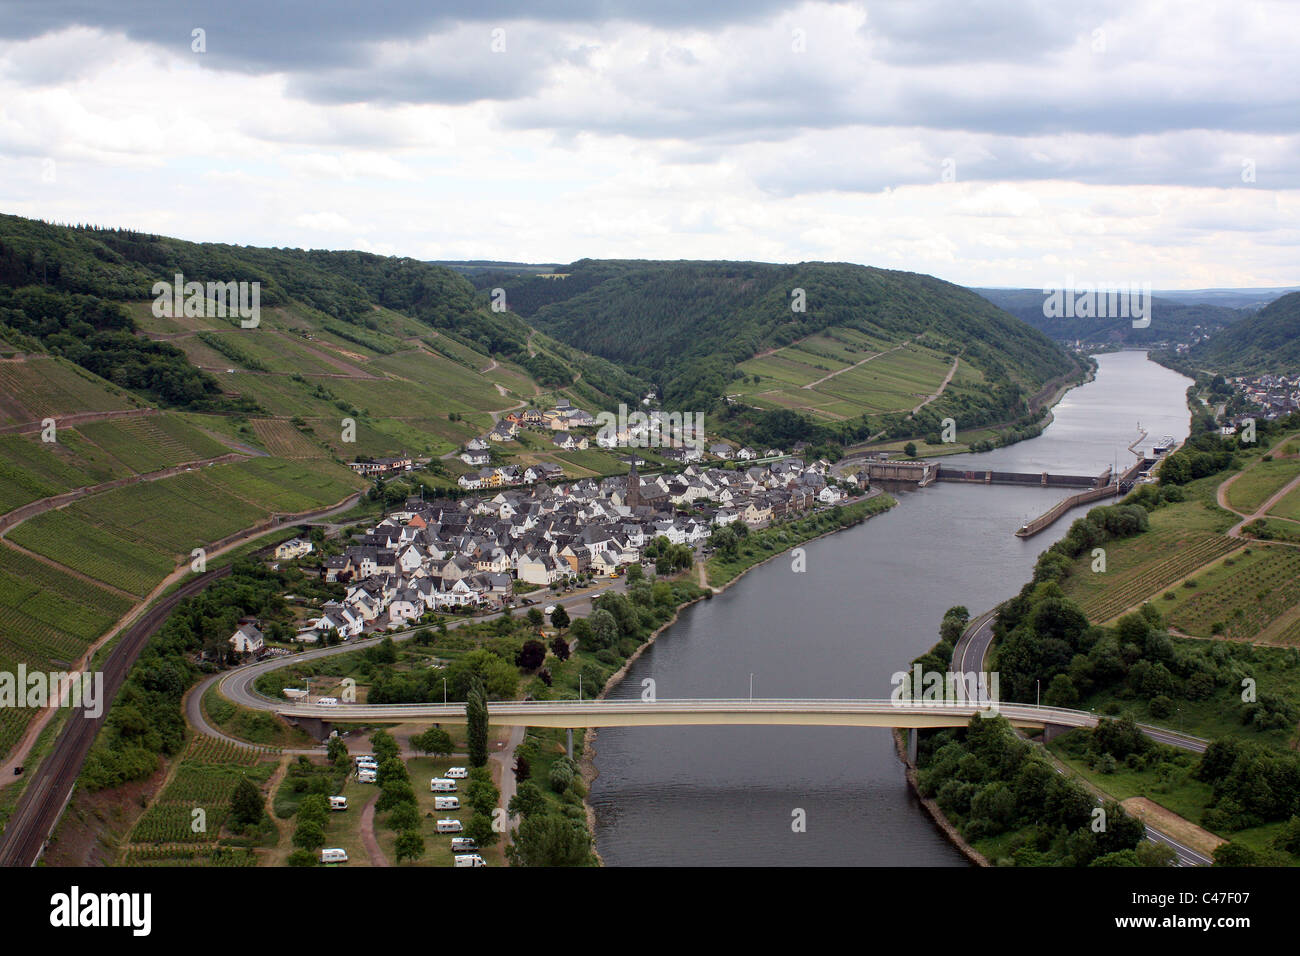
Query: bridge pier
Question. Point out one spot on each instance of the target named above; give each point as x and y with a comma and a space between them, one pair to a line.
1052, 731
913, 735
568, 741
319, 728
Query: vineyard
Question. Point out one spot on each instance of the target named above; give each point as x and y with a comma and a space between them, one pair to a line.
39, 387
48, 620
152, 443
1156, 576
195, 785
182, 855
284, 441
65, 538
1240, 601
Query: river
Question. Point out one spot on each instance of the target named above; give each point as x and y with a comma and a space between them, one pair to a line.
870, 600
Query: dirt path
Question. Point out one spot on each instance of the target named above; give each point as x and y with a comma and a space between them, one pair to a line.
944, 384
1221, 496
505, 759
373, 850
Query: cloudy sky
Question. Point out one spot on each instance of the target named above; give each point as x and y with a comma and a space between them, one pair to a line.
1015, 143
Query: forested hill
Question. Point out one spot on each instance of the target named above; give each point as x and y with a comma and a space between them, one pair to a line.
688, 325
1268, 341
84, 293
1171, 320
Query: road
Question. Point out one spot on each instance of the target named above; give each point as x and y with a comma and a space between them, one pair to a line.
50, 786
969, 656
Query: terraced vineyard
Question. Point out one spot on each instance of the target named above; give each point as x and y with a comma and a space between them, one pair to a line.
1239, 602
282, 440
152, 443
133, 537
1156, 576
38, 387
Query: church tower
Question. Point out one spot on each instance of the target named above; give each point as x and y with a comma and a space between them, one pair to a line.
633, 485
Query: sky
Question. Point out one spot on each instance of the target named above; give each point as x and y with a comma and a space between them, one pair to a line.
1013, 143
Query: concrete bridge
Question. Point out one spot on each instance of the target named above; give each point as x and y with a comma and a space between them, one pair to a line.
318, 718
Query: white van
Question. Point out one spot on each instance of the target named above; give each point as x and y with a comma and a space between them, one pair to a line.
365, 776
446, 803
327, 701
463, 844
470, 859
442, 785
456, 773
367, 763
332, 856
363, 758
338, 803
449, 826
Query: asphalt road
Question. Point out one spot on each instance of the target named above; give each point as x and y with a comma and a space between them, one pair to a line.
969, 655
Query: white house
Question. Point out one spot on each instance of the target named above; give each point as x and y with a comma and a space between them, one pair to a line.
293, 548
247, 640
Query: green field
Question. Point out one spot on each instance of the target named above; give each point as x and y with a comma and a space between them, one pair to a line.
870, 376
1257, 484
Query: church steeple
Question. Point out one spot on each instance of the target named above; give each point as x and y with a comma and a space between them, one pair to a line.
633, 485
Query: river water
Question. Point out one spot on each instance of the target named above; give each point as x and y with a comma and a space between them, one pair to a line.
870, 601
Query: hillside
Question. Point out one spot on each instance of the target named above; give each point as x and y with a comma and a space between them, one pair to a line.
870, 348
1268, 341
1171, 320
171, 433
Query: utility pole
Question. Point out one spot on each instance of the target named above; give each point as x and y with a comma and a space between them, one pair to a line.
751, 686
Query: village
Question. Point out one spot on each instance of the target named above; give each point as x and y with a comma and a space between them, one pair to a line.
481, 553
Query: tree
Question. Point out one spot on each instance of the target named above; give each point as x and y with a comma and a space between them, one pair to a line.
246, 806
535, 617
435, 740
405, 816
302, 857
560, 617
528, 799
910, 449
309, 835
384, 746
395, 792
391, 769
409, 846
336, 748
479, 829
476, 723
531, 655
604, 630
560, 648
549, 839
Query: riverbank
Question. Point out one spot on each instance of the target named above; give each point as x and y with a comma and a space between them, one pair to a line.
942, 822
586, 765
